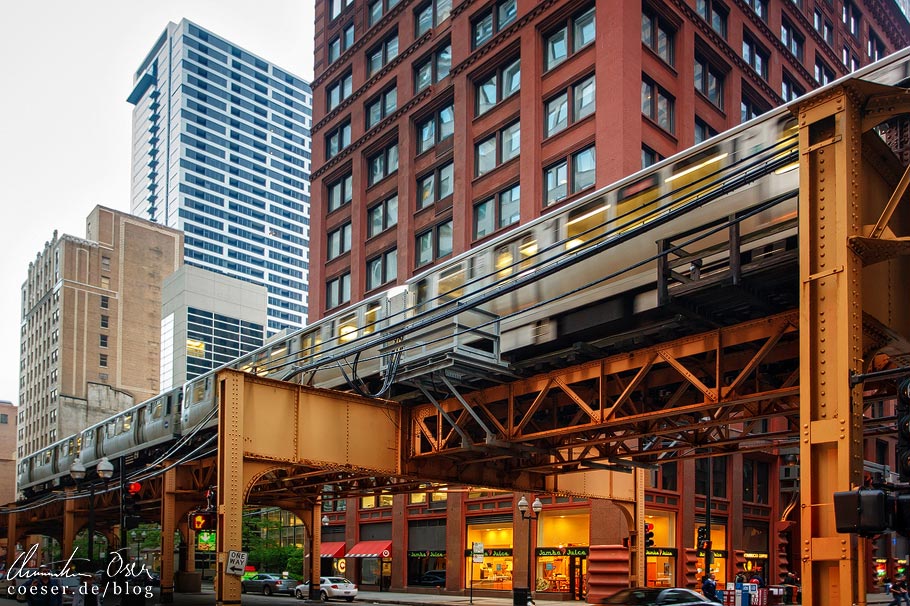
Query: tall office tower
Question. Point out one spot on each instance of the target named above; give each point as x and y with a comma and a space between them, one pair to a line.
7, 452
91, 321
438, 123
207, 319
441, 124
221, 151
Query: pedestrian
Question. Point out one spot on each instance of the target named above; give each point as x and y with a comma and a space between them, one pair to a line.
709, 588
87, 594
44, 590
898, 591
757, 578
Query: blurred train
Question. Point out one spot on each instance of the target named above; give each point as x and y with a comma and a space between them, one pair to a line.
589, 250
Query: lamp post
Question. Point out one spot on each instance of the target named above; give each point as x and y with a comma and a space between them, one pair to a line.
536, 506
104, 470
139, 537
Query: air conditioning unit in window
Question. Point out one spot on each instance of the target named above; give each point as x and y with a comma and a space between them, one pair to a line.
789, 472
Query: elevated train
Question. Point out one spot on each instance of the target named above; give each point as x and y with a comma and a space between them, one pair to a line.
590, 241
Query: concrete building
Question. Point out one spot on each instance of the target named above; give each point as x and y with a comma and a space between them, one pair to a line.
91, 320
221, 151
207, 319
439, 124
7, 452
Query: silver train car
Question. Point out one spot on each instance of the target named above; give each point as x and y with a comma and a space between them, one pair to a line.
592, 239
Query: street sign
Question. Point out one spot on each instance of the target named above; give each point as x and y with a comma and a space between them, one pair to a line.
236, 563
477, 553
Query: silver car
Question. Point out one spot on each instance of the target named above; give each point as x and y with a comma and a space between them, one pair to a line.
268, 583
329, 587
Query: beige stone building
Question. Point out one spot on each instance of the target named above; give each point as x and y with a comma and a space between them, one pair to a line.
7, 452
90, 325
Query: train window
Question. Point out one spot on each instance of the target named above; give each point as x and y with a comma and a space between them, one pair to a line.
347, 328
586, 223
423, 293
515, 256
111, 429
451, 283
695, 177
635, 201
155, 409
312, 343
199, 390
124, 423
370, 318
65, 449
47, 457
89, 437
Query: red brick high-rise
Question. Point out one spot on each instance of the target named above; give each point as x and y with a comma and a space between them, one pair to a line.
439, 123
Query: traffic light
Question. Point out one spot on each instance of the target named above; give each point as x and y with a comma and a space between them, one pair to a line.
203, 520
131, 518
702, 537
903, 430
649, 534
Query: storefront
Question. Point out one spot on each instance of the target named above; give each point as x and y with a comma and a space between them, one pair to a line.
332, 560
756, 540
718, 536
561, 563
426, 548
495, 533
660, 569
374, 554
421, 562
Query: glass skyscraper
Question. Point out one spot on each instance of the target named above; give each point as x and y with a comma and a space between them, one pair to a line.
221, 151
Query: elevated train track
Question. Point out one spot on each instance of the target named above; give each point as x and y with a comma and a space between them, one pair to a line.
679, 283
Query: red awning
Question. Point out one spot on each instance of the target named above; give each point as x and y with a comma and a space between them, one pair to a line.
332, 550
370, 549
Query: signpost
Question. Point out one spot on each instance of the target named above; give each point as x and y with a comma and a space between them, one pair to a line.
476, 558
236, 563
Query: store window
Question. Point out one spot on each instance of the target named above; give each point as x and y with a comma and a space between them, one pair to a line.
495, 533
719, 555
561, 558
661, 557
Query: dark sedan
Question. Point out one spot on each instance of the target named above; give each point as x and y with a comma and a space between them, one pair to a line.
268, 584
656, 596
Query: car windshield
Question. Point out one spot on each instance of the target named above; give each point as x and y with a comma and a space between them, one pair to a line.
339, 580
634, 596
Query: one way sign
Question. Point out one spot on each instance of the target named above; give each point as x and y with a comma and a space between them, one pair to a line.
236, 562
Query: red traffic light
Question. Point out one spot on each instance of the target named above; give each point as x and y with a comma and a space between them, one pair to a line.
133, 488
203, 521
649, 526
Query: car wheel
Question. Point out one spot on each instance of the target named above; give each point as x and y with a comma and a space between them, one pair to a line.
266, 590
323, 596
298, 594
242, 588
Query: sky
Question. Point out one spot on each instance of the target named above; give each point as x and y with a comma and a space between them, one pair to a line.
65, 126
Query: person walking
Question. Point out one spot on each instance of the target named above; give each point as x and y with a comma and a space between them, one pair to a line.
709, 588
898, 592
44, 590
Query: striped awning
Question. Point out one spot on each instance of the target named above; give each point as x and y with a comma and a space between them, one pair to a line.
332, 550
371, 549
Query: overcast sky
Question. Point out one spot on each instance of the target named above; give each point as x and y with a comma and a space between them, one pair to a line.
66, 68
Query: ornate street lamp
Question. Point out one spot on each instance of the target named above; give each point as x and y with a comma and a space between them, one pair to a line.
104, 470
535, 507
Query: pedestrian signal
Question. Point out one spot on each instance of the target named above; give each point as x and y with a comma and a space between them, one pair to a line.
203, 521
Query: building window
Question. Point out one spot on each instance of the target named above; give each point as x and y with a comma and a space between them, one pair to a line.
569, 39
377, 8
850, 17
714, 13
760, 7
500, 85
649, 157
497, 212
823, 73
493, 20
658, 35
850, 60
703, 130
434, 243
105, 321
792, 39
105, 264
790, 90
339, 91
749, 108
338, 290
382, 106
433, 68
709, 81
339, 44
106, 282
436, 128
340, 192
382, 216
102, 340
337, 139
875, 48
757, 57
339, 241
557, 182
657, 104
102, 360
4, 419
432, 14
105, 302
379, 56
383, 164
435, 186
496, 149
382, 269
824, 27
579, 97
755, 481
718, 476
338, 5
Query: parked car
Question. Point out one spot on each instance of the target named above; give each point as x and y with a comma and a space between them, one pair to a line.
432, 578
655, 596
329, 587
268, 583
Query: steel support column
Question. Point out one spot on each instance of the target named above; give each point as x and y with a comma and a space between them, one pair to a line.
168, 526
69, 527
231, 489
830, 430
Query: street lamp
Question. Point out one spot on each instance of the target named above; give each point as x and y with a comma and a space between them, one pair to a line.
536, 506
139, 537
325, 520
104, 470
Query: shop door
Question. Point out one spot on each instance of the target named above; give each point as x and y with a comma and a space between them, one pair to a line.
578, 577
